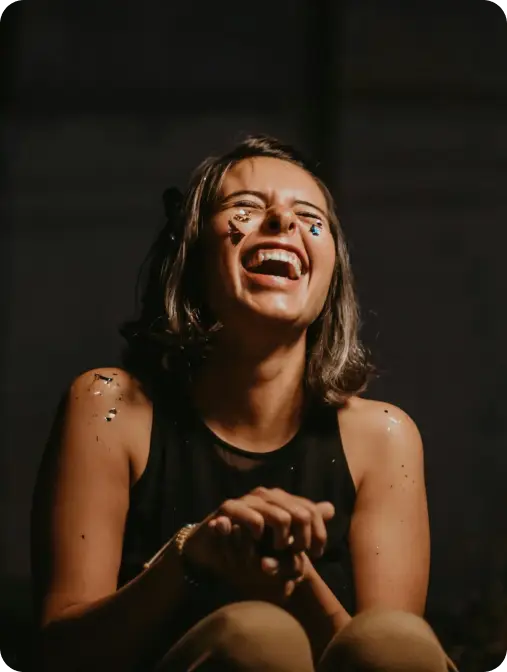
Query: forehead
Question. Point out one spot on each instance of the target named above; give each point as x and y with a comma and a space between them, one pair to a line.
277, 179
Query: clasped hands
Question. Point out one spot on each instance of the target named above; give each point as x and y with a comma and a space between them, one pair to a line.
262, 543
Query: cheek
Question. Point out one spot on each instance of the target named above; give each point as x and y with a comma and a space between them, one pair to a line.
219, 251
219, 273
325, 260
331, 263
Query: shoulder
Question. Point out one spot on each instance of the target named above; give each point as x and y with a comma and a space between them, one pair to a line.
108, 384
376, 435
111, 404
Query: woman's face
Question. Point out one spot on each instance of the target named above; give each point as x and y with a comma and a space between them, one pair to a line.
268, 246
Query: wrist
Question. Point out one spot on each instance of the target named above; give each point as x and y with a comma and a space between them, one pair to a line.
173, 553
191, 574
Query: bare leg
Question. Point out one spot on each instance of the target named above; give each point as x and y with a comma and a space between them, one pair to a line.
384, 641
246, 637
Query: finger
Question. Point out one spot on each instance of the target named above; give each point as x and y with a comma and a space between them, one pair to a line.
223, 546
289, 588
224, 525
270, 566
301, 527
307, 525
323, 512
318, 514
276, 517
221, 525
240, 513
326, 510
299, 563
235, 549
291, 566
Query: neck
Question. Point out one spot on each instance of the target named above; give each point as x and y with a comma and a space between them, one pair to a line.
252, 399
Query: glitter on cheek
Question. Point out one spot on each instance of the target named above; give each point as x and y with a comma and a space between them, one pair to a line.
235, 234
242, 216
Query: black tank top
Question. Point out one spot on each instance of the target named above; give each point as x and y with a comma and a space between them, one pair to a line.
190, 472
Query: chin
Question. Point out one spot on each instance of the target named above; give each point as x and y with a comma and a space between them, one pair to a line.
277, 314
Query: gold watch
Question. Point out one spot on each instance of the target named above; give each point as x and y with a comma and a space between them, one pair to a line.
178, 541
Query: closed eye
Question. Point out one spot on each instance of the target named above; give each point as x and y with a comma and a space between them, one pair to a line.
311, 215
246, 204
308, 214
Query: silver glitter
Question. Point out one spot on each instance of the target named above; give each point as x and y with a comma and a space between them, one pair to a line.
111, 414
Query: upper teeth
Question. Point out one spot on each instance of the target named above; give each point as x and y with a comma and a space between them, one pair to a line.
278, 255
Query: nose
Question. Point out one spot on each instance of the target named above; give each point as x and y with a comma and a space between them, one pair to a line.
280, 221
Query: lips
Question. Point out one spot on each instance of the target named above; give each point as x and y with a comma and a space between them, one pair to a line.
272, 253
275, 262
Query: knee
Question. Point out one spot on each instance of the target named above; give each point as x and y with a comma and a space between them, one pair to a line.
385, 639
259, 635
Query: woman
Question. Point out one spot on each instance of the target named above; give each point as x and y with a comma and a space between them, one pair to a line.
290, 513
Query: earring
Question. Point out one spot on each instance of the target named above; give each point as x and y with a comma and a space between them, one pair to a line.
242, 216
314, 230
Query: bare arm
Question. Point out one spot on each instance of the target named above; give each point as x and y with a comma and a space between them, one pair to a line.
79, 513
389, 535
318, 610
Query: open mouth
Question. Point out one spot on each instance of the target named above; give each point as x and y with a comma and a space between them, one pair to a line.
275, 262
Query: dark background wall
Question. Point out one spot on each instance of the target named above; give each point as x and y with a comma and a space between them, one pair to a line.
105, 104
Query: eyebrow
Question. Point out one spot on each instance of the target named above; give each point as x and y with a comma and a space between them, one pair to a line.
262, 197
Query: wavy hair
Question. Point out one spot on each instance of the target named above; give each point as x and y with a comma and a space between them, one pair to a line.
175, 327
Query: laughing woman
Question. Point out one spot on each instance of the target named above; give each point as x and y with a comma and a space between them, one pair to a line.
228, 501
